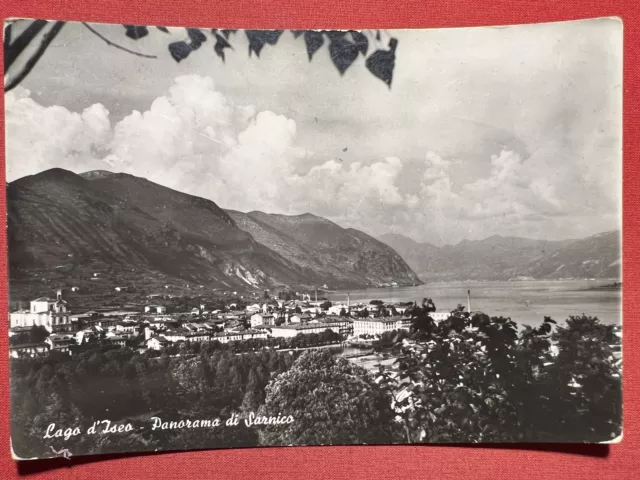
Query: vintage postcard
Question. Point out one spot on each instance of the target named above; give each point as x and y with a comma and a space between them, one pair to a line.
229, 238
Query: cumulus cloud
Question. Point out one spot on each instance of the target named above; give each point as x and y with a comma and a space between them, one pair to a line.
197, 140
41, 137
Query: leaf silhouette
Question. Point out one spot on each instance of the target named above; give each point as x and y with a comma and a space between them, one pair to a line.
258, 39
335, 34
382, 62
343, 52
179, 50
221, 44
163, 29
136, 32
227, 33
361, 41
314, 40
197, 38
297, 33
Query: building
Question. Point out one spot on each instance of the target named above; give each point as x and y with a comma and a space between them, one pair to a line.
201, 336
339, 326
380, 325
83, 317
225, 337
155, 309
127, 328
336, 309
117, 340
261, 319
176, 334
440, 316
157, 343
28, 350
19, 330
46, 312
345, 324
61, 343
301, 318
108, 322
197, 327
83, 336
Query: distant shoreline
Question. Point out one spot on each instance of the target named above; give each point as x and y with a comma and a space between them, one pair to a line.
608, 287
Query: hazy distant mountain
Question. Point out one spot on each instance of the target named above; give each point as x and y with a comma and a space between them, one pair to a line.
419, 256
503, 258
339, 256
65, 227
598, 256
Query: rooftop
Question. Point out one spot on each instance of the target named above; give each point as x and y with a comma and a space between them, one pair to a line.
27, 345
381, 319
308, 326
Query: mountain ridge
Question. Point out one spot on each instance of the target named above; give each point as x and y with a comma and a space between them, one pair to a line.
507, 257
69, 226
315, 243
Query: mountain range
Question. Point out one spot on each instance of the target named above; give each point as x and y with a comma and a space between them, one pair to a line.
95, 225
505, 258
325, 250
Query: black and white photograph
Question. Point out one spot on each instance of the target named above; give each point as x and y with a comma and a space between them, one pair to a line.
226, 238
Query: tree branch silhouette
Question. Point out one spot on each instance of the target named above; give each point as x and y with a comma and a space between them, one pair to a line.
110, 43
46, 41
344, 46
15, 48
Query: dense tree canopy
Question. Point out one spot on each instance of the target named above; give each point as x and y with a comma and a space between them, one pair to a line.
332, 401
477, 378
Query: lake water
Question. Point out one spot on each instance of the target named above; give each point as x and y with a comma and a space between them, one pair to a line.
526, 302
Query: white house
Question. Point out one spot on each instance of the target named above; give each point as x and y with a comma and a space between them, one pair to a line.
301, 318
155, 309
260, 319
157, 343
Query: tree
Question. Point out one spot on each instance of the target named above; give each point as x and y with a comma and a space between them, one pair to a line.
344, 46
331, 401
585, 381
479, 379
343, 312
38, 334
326, 305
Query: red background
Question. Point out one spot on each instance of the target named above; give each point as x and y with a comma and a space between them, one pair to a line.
509, 462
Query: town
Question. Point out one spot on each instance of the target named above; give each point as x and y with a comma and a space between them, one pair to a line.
286, 320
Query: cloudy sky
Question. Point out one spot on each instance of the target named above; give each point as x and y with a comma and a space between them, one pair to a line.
509, 130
